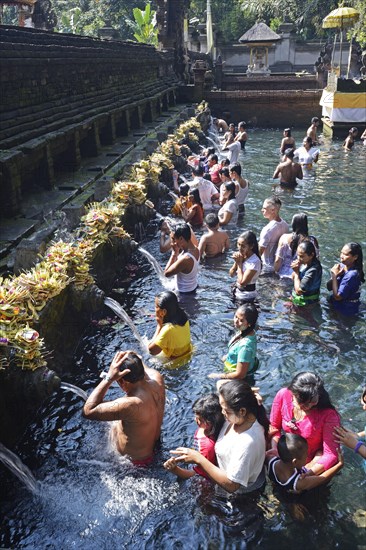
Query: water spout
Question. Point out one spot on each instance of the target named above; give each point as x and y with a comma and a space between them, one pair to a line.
20, 470
70, 387
118, 310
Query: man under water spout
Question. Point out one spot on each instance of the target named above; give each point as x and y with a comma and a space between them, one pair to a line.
138, 416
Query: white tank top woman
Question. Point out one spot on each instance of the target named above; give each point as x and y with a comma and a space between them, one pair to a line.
242, 195
187, 282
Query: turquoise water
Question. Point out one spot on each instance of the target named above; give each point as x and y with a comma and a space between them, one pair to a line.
92, 498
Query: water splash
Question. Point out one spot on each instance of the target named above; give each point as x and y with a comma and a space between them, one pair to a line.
214, 143
20, 470
167, 283
74, 389
118, 310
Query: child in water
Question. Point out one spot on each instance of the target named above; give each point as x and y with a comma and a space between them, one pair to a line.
209, 418
288, 469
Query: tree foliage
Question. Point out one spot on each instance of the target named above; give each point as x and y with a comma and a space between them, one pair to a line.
94, 14
144, 25
234, 17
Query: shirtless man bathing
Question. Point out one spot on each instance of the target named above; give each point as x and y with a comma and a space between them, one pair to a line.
138, 416
288, 170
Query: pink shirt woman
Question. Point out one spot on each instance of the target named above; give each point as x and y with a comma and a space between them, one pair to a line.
304, 408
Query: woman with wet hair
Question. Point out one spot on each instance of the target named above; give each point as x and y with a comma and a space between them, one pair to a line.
307, 275
287, 245
305, 408
240, 446
350, 139
347, 277
288, 142
228, 213
241, 359
172, 335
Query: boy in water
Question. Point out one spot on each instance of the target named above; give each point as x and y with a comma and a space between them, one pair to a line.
215, 241
288, 469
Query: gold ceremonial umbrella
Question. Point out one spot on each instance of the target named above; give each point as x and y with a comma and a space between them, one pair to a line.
341, 18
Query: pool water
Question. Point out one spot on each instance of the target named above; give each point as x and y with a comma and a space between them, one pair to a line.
92, 498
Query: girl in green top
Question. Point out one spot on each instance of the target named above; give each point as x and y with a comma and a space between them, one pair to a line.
241, 358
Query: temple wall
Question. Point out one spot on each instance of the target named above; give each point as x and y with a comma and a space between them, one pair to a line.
268, 108
65, 96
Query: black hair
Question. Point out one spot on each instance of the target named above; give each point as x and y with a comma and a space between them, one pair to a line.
239, 395
353, 129
251, 239
210, 151
230, 186
363, 395
174, 313
199, 170
225, 162
225, 172
250, 313
308, 140
356, 250
288, 131
207, 176
307, 247
184, 189
314, 119
213, 157
236, 167
134, 363
307, 386
196, 196
208, 407
289, 152
291, 446
300, 230
212, 220
242, 124
182, 230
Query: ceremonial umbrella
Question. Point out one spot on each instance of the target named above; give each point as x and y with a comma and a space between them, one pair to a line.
341, 18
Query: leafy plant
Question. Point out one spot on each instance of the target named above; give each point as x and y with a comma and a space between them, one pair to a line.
144, 25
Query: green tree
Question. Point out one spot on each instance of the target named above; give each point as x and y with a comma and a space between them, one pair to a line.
359, 29
144, 25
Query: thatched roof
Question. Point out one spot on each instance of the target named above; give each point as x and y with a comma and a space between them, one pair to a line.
260, 32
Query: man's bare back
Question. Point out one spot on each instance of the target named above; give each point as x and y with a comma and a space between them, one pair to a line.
138, 416
288, 171
137, 433
214, 243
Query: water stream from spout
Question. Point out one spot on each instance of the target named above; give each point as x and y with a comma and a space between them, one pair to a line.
173, 195
118, 310
167, 283
20, 470
70, 387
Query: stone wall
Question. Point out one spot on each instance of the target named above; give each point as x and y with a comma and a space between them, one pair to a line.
267, 108
64, 96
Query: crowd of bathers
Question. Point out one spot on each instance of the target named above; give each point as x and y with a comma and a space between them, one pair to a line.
235, 440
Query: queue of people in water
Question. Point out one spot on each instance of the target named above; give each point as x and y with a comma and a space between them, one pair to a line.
235, 442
